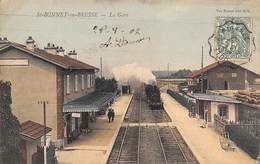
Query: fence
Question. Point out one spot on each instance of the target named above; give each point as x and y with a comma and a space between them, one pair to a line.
183, 100
247, 141
219, 124
246, 133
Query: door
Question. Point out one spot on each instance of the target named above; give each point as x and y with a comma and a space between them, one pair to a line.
23, 152
201, 109
226, 85
68, 125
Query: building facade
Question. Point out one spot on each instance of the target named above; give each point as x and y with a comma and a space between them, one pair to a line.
224, 75
208, 105
44, 75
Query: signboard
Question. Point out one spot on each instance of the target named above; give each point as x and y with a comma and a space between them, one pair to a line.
233, 39
76, 115
14, 62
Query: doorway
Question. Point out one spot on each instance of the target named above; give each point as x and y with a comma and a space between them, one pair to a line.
201, 109
225, 85
205, 85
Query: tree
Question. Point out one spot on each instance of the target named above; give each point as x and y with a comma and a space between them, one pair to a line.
106, 85
182, 73
9, 128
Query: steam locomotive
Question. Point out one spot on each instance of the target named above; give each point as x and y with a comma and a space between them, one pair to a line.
153, 96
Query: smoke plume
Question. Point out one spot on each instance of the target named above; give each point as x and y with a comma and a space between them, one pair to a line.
133, 74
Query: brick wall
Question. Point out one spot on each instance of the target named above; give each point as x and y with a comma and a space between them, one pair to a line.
60, 100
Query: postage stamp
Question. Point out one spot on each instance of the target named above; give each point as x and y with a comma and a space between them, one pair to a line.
233, 38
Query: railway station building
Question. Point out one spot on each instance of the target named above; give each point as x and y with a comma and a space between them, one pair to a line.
223, 75
84, 109
64, 82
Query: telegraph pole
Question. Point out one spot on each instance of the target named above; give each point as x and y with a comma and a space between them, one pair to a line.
101, 73
202, 77
168, 68
44, 123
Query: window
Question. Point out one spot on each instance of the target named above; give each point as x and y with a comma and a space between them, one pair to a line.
88, 80
14, 62
76, 83
82, 81
93, 80
223, 111
220, 75
67, 84
234, 74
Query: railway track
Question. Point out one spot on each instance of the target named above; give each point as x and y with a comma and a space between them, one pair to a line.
175, 148
126, 148
147, 115
155, 144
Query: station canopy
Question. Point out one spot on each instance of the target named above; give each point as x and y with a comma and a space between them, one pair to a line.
92, 102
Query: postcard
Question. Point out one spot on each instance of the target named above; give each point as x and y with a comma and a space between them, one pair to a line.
133, 81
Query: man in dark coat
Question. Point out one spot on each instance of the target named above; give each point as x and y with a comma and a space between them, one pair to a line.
112, 114
109, 115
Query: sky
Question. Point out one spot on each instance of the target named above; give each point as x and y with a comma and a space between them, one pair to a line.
162, 31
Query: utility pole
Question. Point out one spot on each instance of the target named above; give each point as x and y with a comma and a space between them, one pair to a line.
101, 75
168, 68
202, 77
44, 123
258, 132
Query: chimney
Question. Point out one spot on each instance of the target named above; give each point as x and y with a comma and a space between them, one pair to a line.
30, 43
51, 48
73, 54
3, 40
60, 51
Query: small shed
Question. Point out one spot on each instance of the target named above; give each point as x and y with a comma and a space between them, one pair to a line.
31, 133
208, 105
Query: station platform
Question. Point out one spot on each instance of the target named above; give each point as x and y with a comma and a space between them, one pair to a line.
204, 142
95, 147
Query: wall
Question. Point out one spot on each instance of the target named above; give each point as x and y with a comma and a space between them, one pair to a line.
31, 84
231, 111
31, 149
60, 102
80, 92
234, 83
248, 112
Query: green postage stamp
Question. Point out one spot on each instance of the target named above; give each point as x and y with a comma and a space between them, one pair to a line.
233, 39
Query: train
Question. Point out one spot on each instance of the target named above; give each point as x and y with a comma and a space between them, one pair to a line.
154, 97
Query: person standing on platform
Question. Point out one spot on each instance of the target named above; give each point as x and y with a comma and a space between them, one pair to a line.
112, 114
109, 115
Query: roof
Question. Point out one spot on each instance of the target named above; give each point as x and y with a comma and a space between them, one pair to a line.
195, 74
213, 97
32, 131
64, 62
90, 102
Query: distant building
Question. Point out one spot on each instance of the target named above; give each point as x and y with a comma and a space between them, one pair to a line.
45, 75
224, 75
